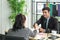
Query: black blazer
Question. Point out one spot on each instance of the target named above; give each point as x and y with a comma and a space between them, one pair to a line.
52, 24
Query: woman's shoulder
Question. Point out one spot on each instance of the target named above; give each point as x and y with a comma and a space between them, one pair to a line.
27, 29
24, 29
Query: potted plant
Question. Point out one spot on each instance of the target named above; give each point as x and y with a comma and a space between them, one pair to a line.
16, 8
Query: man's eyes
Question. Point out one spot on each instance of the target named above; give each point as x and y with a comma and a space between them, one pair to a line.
44, 12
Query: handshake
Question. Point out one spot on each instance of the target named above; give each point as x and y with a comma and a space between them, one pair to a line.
36, 27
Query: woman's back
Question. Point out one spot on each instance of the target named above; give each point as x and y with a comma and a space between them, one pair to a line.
26, 32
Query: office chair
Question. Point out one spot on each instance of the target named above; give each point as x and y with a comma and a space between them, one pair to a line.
2, 37
13, 38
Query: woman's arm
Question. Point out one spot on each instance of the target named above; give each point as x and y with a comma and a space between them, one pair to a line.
32, 33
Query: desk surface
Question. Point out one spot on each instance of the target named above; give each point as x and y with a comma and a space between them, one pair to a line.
44, 35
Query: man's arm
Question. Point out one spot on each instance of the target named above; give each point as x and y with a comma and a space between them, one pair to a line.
37, 23
55, 24
36, 26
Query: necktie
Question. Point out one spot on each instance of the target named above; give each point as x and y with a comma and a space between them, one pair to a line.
47, 23
47, 29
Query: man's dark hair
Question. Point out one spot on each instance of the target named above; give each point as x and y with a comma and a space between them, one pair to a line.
46, 8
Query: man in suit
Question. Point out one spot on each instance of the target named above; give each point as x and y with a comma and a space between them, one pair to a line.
47, 22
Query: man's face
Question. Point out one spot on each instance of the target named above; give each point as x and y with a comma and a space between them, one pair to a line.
46, 13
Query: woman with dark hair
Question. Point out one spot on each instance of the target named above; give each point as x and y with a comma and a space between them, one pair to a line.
19, 22
19, 29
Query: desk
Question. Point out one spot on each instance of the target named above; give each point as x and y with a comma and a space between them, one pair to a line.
45, 37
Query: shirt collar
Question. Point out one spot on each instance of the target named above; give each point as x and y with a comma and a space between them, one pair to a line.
48, 18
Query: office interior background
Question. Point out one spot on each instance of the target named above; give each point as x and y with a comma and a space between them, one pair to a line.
33, 9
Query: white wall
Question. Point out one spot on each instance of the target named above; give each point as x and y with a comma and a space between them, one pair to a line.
0, 16
29, 12
4, 17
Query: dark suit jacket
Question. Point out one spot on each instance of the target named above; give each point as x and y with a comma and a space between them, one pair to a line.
52, 24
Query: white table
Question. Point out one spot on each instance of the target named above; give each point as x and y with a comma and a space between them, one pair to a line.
38, 36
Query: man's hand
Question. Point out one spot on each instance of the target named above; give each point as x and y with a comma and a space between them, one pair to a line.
41, 30
36, 26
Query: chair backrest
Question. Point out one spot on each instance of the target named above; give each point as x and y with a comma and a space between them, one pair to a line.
14, 38
2, 37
